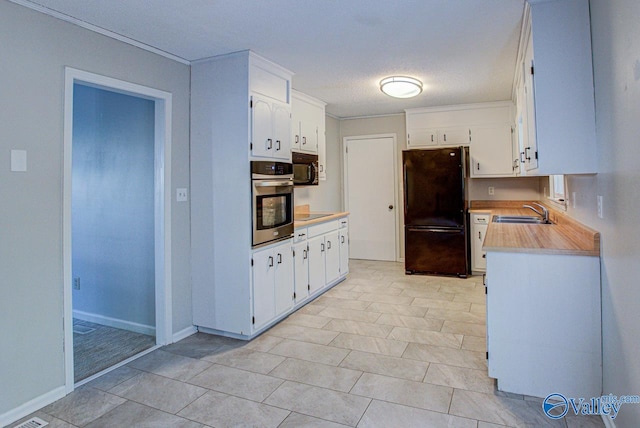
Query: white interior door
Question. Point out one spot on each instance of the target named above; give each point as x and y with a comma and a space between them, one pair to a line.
370, 197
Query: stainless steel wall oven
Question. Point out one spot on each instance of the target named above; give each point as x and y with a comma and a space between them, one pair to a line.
272, 201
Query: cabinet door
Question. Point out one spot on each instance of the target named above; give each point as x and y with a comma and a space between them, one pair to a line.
317, 251
531, 148
478, 260
453, 136
295, 133
422, 138
281, 131
301, 271
309, 135
332, 266
491, 152
262, 143
283, 256
344, 251
263, 292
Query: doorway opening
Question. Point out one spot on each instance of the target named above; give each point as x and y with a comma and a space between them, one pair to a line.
116, 223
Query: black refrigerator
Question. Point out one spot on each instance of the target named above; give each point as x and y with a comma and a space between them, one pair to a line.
435, 206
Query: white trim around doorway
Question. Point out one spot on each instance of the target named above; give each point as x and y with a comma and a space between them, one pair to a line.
162, 174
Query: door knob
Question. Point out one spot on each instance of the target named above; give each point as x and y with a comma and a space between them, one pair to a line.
390, 207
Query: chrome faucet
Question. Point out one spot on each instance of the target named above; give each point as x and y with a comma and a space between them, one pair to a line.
544, 213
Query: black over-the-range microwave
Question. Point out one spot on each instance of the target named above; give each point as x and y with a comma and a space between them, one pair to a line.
305, 169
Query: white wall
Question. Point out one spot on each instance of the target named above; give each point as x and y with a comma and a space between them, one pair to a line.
326, 196
35, 49
517, 188
616, 62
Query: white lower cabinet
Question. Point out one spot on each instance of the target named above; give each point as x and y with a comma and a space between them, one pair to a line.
273, 285
332, 257
301, 271
544, 324
317, 249
285, 275
479, 226
344, 251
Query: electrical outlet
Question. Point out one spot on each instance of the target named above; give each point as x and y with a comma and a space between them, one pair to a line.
492, 190
76, 283
181, 195
600, 209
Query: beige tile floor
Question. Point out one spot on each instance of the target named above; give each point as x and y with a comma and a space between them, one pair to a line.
380, 349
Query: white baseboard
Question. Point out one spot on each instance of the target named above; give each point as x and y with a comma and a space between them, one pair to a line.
115, 323
183, 334
32, 406
608, 422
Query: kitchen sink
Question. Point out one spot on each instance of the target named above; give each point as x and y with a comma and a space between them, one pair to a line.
522, 219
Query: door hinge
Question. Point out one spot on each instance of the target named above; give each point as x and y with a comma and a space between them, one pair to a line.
486, 290
251, 146
532, 69
251, 262
536, 154
294, 253
294, 294
487, 355
253, 320
250, 103
346, 150
309, 287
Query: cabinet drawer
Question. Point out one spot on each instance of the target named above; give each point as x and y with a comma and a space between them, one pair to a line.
481, 218
344, 222
300, 235
322, 228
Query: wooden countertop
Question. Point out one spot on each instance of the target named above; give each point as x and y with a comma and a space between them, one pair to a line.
330, 216
565, 236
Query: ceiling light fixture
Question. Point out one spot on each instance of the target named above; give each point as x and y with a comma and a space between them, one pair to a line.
401, 86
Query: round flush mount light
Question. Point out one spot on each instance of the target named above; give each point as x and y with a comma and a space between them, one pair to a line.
401, 86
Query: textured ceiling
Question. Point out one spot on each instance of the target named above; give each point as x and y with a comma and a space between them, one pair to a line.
463, 50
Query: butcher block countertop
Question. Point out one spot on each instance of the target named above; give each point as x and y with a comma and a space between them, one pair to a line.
565, 236
301, 211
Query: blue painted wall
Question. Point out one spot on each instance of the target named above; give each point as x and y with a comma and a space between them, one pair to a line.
113, 205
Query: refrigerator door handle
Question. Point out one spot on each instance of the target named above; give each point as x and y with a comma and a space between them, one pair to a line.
414, 229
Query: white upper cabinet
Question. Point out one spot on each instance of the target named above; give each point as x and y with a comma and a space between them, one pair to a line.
555, 79
484, 127
270, 128
308, 128
491, 151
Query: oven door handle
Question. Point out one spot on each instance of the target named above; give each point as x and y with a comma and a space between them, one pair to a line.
273, 183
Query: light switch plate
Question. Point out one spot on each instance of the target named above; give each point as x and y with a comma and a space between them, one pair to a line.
18, 160
181, 195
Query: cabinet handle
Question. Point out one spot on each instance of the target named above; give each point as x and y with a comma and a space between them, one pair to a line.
304, 140
479, 235
304, 254
297, 139
526, 155
322, 247
342, 239
300, 235
521, 157
321, 168
270, 144
478, 166
277, 144
279, 258
432, 138
328, 245
445, 138
270, 261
